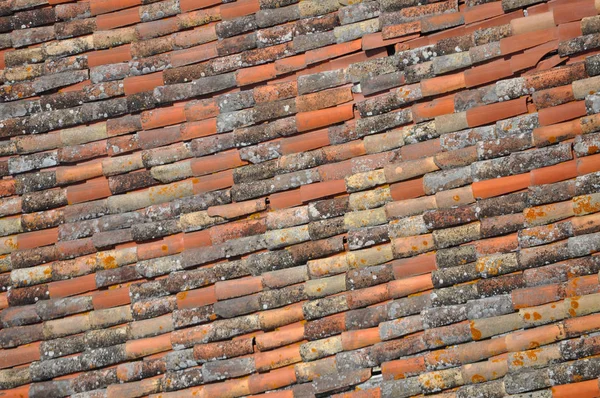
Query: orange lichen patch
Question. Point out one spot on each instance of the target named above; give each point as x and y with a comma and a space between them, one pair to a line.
586, 204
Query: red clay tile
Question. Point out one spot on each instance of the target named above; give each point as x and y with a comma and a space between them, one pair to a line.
500, 186
316, 119
583, 389
162, 117
486, 114
437, 107
195, 54
191, 5
573, 12
588, 164
198, 129
407, 189
138, 84
21, 355
517, 43
551, 174
104, 6
561, 113
96, 188
283, 200
111, 298
72, 287
487, 73
111, 56
239, 8
255, 74
332, 51
321, 190
482, 12
118, 19
220, 180
305, 142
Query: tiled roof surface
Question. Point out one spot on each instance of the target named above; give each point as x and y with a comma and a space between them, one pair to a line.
386, 198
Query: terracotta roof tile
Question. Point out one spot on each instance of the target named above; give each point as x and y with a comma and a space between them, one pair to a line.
285, 197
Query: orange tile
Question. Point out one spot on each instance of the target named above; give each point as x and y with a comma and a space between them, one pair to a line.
201, 110
418, 265
588, 164
562, 113
104, 6
7, 188
111, 298
375, 40
402, 368
551, 174
191, 5
21, 355
195, 54
272, 380
413, 284
325, 117
18, 392
196, 239
277, 358
110, 56
255, 74
138, 84
220, 180
305, 142
283, 200
486, 114
197, 297
543, 136
238, 287
490, 72
81, 172
332, 51
355, 339
96, 188
569, 31
407, 189
44, 237
239, 8
482, 12
148, 346
584, 389
500, 186
321, 190
162, 117
521, 42
279, 338
160, 248
429, 110
532, 296
201, 128
72, 287
118, 19
217, 162
400, 30
565, 13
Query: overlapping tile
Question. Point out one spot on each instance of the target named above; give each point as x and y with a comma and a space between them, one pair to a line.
319, 198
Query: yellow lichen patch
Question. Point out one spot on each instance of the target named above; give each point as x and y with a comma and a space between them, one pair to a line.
585, 205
